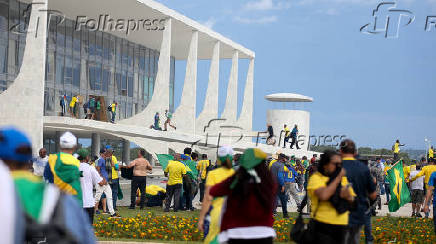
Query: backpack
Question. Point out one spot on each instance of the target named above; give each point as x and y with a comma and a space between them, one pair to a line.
53, 227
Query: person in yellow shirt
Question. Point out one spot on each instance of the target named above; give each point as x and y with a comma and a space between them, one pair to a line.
212, 205
287, 135
426, 171
431, 153
73, 106
329, 225
115, 181
406, 171
396, 149
203, 167
175, 171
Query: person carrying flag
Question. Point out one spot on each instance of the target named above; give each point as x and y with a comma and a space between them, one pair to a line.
212, 205
63, 167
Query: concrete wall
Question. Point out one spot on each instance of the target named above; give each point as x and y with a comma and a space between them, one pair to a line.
22, 104
277, 118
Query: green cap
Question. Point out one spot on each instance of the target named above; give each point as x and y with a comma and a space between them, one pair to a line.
83, 152
252, 157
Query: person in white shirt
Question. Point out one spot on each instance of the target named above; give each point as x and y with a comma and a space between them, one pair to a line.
90, 177
417, 195
40, 162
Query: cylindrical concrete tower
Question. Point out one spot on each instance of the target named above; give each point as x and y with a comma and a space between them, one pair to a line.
280, 117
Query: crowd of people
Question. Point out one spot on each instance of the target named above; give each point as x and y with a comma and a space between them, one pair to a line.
91, 108
56, 197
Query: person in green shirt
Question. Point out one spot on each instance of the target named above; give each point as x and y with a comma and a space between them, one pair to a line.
169, 115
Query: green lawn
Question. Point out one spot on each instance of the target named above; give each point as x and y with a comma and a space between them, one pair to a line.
126, 212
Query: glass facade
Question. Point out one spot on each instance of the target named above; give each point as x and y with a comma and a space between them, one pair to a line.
83, 62
11, 44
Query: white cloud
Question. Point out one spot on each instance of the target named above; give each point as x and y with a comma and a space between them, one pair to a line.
262, 20
210, 22
267, 5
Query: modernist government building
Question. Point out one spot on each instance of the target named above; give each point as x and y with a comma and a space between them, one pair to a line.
123, 51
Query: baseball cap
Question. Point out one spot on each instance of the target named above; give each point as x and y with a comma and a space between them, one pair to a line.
83, 153
15, 145
68, 140
225, 150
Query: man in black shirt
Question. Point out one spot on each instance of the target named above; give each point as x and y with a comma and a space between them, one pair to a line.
363, 185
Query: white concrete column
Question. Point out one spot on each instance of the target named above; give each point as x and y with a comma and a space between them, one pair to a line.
231, 108
126, 151
246, 117
160, 99
184, 117
58, 141
95, 144
26, 94
210, 107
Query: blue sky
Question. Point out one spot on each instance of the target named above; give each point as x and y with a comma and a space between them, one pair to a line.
372, 89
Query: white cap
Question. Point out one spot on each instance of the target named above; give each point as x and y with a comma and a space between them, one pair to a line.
68, 140
225, 150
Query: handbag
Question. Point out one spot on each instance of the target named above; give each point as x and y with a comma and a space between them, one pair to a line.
302, 232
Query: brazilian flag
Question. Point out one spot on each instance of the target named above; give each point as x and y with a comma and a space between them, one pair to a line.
163, 159
191, 169
400, 194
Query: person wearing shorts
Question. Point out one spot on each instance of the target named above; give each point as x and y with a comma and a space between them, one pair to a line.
417, 194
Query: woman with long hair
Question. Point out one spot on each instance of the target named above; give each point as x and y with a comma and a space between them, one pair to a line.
248, 216
331, 197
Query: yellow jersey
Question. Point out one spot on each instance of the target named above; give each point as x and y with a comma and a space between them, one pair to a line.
287, 131
397, 147
430, 153
114, 171
175, 170
73, 102
406, 171
325, 212
202, 168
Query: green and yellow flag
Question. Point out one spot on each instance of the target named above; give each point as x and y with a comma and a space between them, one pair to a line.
66, 173
400, 194
163, 159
